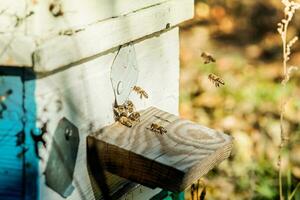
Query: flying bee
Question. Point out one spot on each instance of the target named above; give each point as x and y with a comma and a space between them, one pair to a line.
125, 121
207, 58
135, 116
216, 80
140, 91
157, 129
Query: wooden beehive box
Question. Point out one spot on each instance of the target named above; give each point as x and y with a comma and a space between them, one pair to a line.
56, 58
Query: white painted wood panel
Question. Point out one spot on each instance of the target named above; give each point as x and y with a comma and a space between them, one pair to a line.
11, 13
77, 13
91, 26
62, 50
16, 50
86, 97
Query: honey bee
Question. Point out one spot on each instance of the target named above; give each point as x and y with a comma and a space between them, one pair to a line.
140, 91
135, 116
129, 106
125, 121
157, 129
216, 80
125, 114
120, 110
207, 58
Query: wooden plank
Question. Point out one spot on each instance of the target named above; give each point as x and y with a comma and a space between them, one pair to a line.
140, 192
85, 93
63, 50
11, 166
11, 14
78, 13
112, 23
185, 153
16, 46
16, 50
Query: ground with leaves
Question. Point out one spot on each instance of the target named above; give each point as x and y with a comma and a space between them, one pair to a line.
243, 39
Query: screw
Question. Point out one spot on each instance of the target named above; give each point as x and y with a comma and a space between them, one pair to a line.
68, 133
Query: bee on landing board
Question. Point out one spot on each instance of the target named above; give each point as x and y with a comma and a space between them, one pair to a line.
125, 121
207, 58
129, 106
120, 111
134, 116
157, 129
216, 80
125, 114
140, 91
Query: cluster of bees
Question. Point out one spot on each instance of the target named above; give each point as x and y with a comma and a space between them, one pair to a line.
216, 80
126, 114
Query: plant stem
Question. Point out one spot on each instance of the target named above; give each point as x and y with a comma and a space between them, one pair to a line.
294, 191
284, 49
282, 107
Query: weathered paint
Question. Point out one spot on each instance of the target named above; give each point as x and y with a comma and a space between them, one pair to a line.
105, 35
87, 98
87, 29
82, 91
18, 163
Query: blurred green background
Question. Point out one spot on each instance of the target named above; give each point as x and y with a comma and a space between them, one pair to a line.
242, 37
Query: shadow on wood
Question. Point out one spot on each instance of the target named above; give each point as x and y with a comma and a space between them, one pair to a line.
96, 172
172, 161
102, 188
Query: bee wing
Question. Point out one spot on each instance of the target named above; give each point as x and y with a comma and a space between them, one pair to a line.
212, 59
222, 82
145, 95
207, 58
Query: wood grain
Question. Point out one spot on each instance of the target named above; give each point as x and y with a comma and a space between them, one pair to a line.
60, 50
172, 161
78, 13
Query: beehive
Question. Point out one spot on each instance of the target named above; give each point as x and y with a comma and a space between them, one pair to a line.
56, 57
